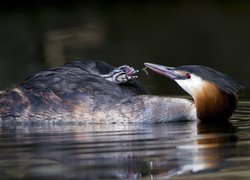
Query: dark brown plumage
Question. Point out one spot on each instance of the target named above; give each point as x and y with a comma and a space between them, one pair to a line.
74, 90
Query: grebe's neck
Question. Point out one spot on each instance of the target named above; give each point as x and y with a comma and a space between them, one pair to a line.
214, 104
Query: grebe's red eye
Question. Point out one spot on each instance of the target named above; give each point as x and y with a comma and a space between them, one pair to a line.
188, 76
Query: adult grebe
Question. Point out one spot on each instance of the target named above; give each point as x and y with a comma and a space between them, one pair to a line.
214, 93
95, 92
79, 90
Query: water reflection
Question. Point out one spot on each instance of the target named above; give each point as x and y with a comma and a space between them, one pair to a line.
207, 151
114, 151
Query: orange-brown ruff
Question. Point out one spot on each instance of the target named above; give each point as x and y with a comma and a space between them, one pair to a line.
214, 104
214, 93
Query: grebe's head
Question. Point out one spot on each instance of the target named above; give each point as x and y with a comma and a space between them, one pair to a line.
121, 74
194, 78
209, 88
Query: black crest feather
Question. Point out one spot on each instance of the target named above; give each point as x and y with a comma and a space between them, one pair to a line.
223, 81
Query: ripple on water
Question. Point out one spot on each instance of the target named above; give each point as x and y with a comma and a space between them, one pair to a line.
178, 150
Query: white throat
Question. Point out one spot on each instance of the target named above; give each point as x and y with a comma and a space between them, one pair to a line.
193, 85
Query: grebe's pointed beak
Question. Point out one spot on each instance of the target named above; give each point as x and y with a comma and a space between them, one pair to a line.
163, 70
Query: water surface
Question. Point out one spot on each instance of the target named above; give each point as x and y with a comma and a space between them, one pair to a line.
133, 151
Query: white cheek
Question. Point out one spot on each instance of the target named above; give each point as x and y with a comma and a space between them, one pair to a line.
192, 85
120, 78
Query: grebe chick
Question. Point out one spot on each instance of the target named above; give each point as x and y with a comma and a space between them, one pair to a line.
214, 93
79, 90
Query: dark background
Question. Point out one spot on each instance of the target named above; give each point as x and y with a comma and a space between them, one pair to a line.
42, 34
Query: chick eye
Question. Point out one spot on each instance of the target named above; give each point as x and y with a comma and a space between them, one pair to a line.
188, 76
124, 69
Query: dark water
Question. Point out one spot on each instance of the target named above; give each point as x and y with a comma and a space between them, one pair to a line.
134, 151
41, 34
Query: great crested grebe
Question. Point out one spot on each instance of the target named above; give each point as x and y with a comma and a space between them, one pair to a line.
96, 92
214, 93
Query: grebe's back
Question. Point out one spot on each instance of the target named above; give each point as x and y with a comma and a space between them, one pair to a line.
73, 91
